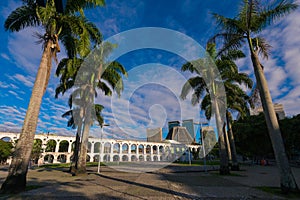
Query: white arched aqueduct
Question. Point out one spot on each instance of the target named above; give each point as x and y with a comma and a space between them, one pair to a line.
109, 150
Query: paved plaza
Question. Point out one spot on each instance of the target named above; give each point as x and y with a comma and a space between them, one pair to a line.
172, 182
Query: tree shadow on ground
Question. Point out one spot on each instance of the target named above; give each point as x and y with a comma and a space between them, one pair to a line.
151, 187
49, 183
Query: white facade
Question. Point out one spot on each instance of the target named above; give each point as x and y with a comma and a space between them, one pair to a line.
108, 150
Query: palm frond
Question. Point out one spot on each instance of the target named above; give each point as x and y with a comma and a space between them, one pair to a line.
262, 46
22, 17
232, 42
270, 14
233, 55
228, 24
197, 84
188, 67
76, 6
104, 88
207, 106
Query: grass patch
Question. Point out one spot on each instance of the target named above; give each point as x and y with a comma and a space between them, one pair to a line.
67, 165
199, 162
56, 165
94, 164
277, 191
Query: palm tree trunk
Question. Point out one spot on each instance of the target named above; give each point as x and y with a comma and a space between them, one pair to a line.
74, 164
81, 167
16, 179
227, 144
89, 100
224, 168
235, 165
287, 180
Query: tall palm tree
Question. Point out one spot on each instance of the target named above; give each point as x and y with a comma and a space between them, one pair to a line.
245, 28
237, 99
71, 123
57, 26
205, 83
106, 77
236, 102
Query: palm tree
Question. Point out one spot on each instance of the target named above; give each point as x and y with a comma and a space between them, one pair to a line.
71, 123
104, 76
206, 82
107, 77
69, 27
245, 28
237, 99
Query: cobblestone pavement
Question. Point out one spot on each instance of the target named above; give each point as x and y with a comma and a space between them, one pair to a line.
173, 182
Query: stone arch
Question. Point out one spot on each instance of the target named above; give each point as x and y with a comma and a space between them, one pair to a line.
89, 149
168, 154
155, 158
177, 150
96, 158
97, 147
73, 146
141, 158
141, 149
148, 158
116, 148
124, 158
106, 158
167, 150
63, 146
88, 158
148, 149
154, 149
51, 145
116, 158
161, 149
125, 148
134, 158
107, 147
48, 158
37, 150
62, 158
133, 148
172, 149
7, 139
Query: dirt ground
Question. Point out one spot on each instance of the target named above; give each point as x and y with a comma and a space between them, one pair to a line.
173, 182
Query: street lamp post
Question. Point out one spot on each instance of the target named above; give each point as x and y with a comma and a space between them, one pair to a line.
99, 160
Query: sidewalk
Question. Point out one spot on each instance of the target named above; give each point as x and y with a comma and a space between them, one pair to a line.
169, 183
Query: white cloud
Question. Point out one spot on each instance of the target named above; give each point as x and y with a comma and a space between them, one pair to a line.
24, 80
7, 85
283, 68
5, 56
15, 94
11, 5
22, 48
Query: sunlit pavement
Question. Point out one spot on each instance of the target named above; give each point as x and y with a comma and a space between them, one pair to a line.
174, 182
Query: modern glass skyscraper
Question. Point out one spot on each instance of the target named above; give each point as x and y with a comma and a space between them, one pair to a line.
189, 125
172, 124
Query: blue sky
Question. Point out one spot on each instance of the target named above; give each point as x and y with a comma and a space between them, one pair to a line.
20, 57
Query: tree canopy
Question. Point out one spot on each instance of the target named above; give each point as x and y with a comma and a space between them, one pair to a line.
5, 150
